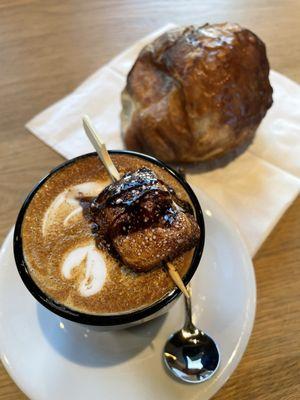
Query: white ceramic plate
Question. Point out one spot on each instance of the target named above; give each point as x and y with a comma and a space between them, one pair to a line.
51, 358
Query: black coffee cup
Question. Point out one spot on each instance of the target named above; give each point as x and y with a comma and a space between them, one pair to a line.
108, 321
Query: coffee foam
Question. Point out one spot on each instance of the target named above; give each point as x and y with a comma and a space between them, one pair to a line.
67, 205
61, 253
90, 259
86, 260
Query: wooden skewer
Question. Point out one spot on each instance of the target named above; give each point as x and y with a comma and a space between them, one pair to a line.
177, 279
100, 148
115, 176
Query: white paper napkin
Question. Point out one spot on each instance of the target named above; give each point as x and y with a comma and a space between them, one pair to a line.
255, 189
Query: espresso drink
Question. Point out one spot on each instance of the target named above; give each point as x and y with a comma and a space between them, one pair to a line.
62, 253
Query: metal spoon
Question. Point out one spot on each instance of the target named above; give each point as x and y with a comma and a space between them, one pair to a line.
190, 354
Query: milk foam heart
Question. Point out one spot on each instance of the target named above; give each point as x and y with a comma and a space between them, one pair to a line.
95, 269
69, 199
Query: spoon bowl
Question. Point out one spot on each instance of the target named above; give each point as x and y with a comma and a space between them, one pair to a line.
191, 355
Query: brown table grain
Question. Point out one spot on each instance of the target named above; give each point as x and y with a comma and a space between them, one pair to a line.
48, 47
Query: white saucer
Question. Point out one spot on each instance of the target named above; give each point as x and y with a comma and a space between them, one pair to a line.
51, 358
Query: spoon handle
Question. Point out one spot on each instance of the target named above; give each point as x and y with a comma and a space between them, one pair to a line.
188, 325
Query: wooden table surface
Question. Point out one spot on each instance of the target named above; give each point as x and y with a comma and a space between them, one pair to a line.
48, 47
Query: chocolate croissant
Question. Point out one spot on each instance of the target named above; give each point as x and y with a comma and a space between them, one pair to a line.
196, 93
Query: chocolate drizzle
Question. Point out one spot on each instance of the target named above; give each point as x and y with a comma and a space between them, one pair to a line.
132, 187
137, 203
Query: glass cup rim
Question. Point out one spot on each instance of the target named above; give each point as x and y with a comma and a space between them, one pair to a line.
105, 319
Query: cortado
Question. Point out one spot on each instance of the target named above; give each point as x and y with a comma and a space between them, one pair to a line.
100, 248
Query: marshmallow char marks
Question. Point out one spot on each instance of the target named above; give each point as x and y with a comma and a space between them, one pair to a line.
141, 219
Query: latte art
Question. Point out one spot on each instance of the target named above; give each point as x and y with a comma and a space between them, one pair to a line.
67, 203
89, 259
85, 265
